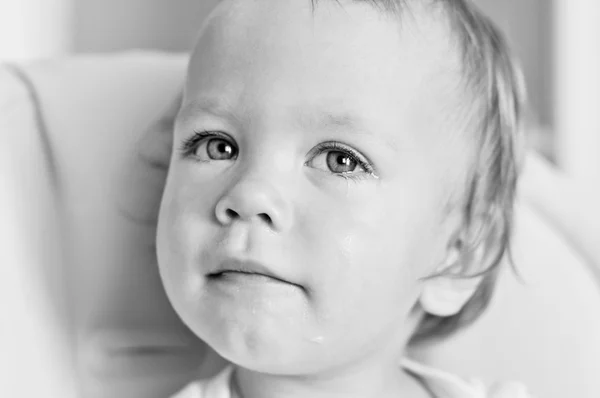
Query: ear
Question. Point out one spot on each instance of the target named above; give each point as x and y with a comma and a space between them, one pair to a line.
446, 295
448, 290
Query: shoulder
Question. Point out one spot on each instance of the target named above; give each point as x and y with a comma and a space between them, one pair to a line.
215, 387
448, 385
509, 390
192, 390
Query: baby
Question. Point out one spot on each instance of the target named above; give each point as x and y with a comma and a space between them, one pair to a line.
341, 189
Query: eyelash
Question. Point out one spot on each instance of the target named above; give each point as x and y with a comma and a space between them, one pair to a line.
188, 146
356, 156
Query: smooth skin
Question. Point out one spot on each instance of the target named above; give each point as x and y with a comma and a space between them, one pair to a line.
324, 145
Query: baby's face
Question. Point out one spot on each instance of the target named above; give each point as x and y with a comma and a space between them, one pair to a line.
314, 154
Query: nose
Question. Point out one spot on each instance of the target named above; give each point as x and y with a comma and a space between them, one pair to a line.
254, 200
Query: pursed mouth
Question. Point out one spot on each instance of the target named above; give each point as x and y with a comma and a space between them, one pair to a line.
226, 273
231, 269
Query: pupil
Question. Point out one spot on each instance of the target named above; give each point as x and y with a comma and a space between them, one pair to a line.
220, 150
339, 162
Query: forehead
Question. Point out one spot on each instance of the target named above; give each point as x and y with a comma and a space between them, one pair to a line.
346, 59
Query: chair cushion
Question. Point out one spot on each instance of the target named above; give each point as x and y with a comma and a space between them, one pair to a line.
130, 341
32, 282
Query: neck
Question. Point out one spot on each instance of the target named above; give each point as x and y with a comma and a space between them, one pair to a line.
378, 376
356, 383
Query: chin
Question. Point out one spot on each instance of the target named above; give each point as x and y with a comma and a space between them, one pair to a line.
275, 363
263, 351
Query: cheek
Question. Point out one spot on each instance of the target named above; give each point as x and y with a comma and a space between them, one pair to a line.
189, 201
367, 253
184, 223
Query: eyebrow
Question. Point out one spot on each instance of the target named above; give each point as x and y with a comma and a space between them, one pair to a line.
336, 121
213, 106
312, 119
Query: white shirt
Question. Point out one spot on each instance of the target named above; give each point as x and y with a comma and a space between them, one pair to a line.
441, 384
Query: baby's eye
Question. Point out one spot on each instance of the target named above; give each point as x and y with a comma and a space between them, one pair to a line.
215, 149
339, 159
207, 147
336, 162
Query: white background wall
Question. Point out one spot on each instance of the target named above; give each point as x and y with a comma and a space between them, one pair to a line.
577, 88
34, 28
118, 24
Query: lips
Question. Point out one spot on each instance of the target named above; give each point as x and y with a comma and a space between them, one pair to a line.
246, 267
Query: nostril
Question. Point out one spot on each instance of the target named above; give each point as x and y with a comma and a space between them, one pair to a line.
231, 214
266, 218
